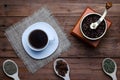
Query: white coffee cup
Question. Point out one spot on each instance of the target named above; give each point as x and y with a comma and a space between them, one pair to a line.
37, 39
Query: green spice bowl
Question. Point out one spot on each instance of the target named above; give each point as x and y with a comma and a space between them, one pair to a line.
109, 67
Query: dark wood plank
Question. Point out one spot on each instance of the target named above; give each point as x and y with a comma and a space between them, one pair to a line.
73, 9
67, 22
54, 1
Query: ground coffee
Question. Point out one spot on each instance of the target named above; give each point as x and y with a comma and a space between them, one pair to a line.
61, 67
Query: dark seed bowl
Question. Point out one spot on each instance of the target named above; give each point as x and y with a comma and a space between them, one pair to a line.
92, 34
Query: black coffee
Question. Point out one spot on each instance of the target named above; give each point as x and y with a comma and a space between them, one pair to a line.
93, 33
38, 39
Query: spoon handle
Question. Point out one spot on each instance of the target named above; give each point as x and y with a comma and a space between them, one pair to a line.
16, 77
114, 77
67, 78
95, 24
102, 17
108, 6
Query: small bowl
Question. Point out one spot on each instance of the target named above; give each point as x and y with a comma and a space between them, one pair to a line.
88, 22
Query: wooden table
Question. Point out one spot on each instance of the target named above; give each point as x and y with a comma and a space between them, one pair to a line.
85, 61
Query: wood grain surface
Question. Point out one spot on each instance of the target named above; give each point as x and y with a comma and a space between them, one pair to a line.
84, 60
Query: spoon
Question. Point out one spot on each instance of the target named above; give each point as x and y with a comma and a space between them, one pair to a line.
8, 63
111, 74
66, 77
95, 24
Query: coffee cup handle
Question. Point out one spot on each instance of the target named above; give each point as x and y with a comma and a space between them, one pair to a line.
51, 38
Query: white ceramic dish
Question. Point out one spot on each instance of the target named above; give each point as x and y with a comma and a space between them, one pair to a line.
52, 46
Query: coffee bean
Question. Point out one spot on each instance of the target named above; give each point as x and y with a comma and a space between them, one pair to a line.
92, 33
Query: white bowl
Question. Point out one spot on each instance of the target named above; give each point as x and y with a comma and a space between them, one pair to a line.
86, 35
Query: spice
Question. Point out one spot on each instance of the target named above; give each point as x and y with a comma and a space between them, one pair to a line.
61, 67
109, 66
10, 68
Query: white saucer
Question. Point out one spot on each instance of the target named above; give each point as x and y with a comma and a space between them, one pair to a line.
52, 46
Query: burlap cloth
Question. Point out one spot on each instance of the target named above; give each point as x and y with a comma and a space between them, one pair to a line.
14, 35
